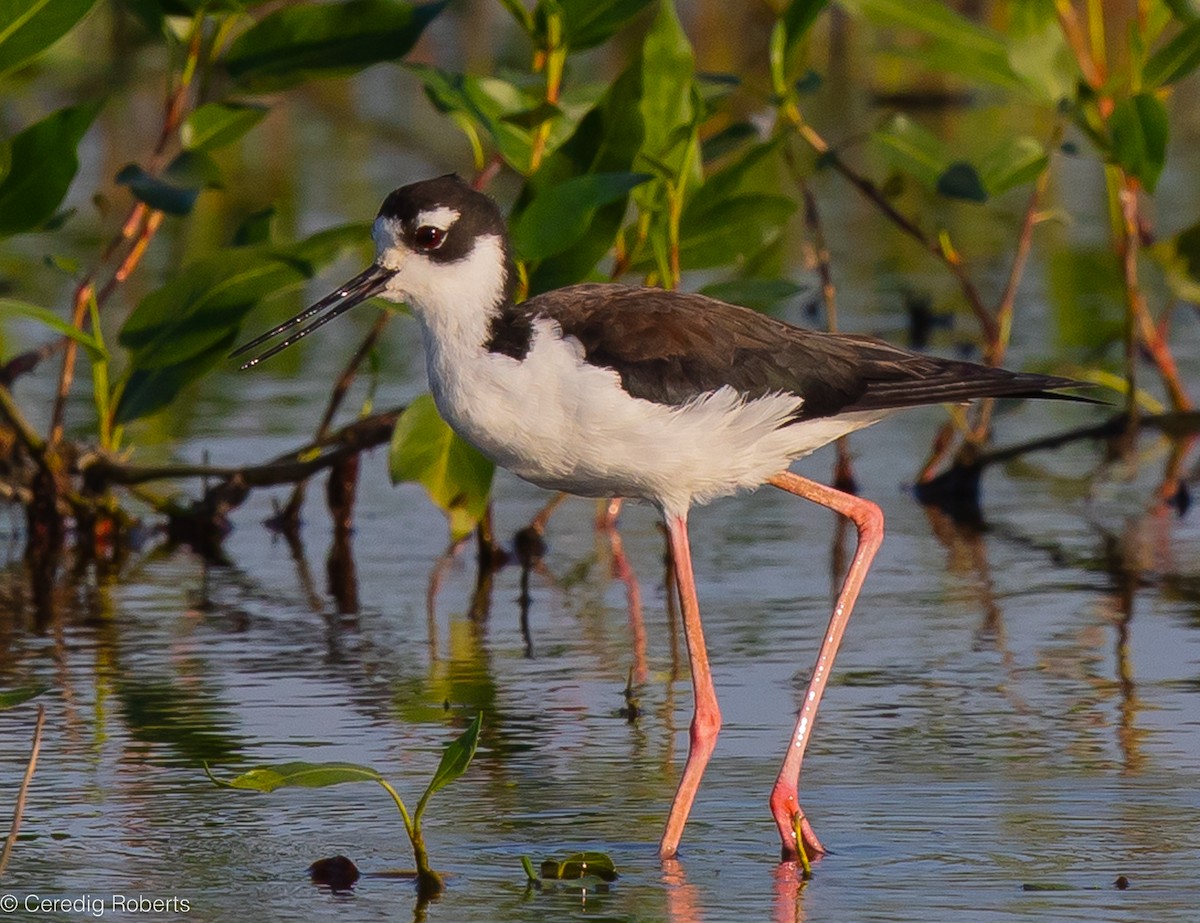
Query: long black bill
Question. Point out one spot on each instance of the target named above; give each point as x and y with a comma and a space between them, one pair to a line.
367, 283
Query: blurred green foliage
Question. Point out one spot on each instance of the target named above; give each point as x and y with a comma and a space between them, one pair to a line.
663, 168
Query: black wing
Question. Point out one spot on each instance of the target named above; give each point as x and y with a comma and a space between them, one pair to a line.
671, 347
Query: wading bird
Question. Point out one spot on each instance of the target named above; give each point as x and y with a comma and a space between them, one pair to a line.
675, 398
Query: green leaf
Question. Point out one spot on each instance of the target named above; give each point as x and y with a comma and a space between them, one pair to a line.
1016, 161
150, 388
669, 112
1180, 258
727, 140
580, 865
798, 18
202, 304
43, 163
606, 140
588, 23
215, 125
958, 45
300, 42
175, 190
11, 306
960, 180
912, 149
209, 297
297, 775
456, 475
456, 758
10, 698
1174, 60
182, 330
1038, 52
759, 294
558, 217
736, 213
1139, 127
744, 225
29, 27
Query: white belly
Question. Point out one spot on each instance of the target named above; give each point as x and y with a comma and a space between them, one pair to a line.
565, 425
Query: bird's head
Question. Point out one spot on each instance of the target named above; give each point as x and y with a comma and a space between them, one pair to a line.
440, 245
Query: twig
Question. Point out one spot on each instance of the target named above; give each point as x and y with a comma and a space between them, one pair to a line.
139, 227
25, 432
19, 809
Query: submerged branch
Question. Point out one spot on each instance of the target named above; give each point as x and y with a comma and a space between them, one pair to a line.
287, 468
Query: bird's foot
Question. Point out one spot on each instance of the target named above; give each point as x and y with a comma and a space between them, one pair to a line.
798, 841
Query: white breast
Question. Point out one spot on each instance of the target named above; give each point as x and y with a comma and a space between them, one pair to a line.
563, 424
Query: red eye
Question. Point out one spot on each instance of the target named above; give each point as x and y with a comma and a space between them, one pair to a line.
427, 237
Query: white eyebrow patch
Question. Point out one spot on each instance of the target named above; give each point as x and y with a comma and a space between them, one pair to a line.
441, 217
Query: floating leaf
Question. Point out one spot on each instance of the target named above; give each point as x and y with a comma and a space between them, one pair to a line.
1174, 60
11, 306
560, 215
1139, 126
456, 475
10, 698
29, 27
299, 42
42, 163
960, 180
215, 125
580, 865
298, 775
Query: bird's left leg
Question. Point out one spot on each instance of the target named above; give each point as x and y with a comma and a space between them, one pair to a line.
868, 519
706, 719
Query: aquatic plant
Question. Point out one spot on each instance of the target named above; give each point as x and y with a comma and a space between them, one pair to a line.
455, 759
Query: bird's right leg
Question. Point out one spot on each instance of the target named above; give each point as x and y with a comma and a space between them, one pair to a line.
706, 719
868, 519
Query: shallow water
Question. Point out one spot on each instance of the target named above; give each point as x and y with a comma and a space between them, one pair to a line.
1004, 735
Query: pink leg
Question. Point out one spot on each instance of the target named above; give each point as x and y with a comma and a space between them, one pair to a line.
706, 719
868, 519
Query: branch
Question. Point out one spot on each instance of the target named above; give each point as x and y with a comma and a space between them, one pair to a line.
949, 257
283, 469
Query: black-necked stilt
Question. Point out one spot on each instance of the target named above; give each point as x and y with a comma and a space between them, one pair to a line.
675, 398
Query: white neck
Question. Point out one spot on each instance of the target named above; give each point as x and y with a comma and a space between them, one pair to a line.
454, 302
